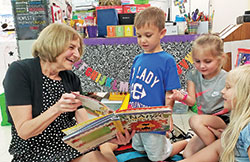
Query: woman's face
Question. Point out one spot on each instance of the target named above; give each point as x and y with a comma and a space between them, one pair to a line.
227, 93
71, 55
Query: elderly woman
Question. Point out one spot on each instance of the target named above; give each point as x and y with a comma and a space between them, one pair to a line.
40, 103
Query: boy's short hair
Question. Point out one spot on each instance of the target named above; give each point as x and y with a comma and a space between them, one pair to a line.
54, 40
150, 16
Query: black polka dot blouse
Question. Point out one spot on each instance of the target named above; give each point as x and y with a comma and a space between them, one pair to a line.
47, 146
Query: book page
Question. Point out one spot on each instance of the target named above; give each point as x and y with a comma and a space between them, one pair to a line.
92, 105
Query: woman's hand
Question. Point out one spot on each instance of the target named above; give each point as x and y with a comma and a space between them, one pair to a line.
121, 139
67, 103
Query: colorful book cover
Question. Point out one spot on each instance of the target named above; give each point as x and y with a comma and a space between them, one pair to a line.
95, 132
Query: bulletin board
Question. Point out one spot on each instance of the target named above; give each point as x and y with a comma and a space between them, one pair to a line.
106, 64
30, 17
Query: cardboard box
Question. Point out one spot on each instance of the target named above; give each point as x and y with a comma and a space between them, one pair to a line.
171, 30
128, 30
119, 30
111, 31
134, 8
126, 19
119, 9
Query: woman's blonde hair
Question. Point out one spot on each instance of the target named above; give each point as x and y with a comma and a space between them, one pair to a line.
150, 16
54, 40
211, 43
240, 114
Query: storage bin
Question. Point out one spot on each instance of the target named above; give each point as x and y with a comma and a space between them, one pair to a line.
106, 17
204, 27
180, 108
181, 24
126, 19
134, 8
92, 31
117, 8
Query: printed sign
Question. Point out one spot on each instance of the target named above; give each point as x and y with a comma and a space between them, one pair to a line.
31, 16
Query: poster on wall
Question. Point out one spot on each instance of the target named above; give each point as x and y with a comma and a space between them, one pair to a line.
243, 57
30, 17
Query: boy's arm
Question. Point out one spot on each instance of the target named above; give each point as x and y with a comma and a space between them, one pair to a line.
170, 102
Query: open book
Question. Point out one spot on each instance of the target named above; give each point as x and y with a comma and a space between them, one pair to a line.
93, 106
94, 132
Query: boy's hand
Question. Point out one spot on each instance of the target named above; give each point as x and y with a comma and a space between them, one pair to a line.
171, 123
121, 139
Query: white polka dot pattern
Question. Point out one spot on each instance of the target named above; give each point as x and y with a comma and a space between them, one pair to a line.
47, 146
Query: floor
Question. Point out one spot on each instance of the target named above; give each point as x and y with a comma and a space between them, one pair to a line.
181, 120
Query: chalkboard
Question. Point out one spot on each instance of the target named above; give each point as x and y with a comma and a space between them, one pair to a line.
31, 17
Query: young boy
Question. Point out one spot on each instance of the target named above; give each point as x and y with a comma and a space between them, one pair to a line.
152, 79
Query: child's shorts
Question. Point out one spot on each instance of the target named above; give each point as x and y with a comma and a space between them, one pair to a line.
157, 146
225, 118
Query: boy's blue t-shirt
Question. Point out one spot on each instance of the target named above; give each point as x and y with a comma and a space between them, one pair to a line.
243, 143
151, 76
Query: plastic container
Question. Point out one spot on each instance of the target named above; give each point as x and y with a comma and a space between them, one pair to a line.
125, 2
193, 27
181, 24
92, 31
89, 20
141, 1
203, 27
119, 9
134, 8
180, 108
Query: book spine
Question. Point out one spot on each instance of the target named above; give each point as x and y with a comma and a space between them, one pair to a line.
96, 123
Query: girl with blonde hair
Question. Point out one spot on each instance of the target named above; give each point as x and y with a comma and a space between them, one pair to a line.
236, 138
235, 141
204, 84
